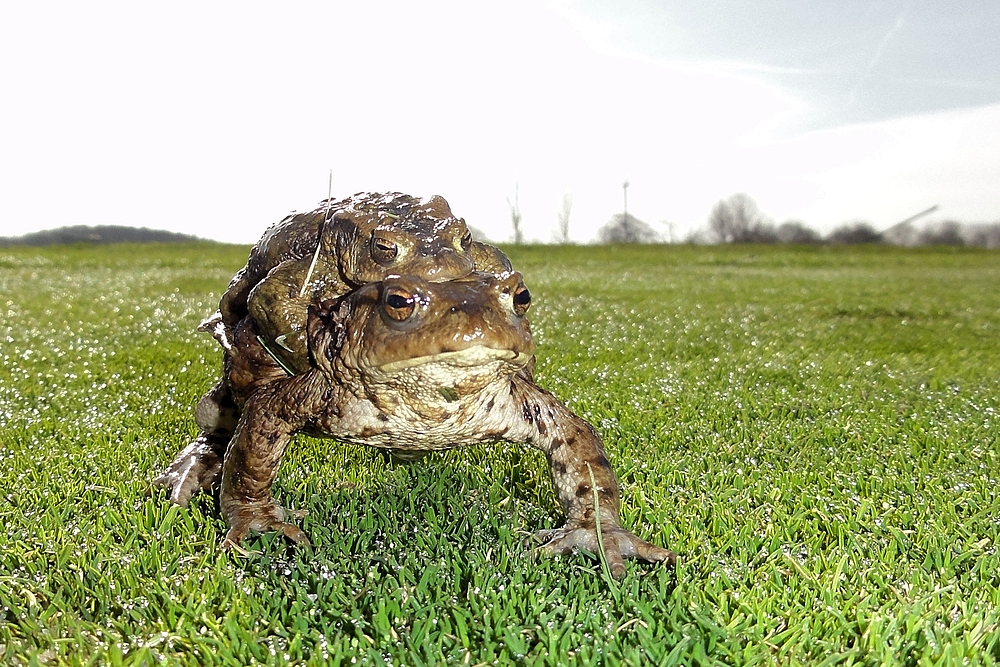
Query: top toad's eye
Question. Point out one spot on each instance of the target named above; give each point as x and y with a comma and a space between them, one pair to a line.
522, 299
399, 304
383, 250
467, 241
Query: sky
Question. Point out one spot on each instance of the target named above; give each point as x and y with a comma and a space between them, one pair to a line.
219, 118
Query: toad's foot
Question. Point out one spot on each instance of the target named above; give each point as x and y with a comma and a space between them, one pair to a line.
261, 517
197, 467
618, 545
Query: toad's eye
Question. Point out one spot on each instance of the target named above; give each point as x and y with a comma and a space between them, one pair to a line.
383, 250
399, 304
467, 241
522, 299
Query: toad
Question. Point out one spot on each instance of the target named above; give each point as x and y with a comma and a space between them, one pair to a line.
412, 365
307, 257
342, 245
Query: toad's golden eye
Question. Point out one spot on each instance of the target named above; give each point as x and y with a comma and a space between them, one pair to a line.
383, 250
522, 299
467, 241
399, 304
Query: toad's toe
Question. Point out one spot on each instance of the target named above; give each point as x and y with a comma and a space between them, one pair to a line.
618, 544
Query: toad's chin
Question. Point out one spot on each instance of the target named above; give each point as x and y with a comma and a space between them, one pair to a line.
477, 355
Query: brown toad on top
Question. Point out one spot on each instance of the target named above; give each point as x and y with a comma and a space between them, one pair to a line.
308, 257
413, 365
342, 245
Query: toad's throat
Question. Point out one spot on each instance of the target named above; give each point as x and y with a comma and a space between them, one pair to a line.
477, 355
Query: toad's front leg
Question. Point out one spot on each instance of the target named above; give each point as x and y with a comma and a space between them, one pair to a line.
583, 479
249, 470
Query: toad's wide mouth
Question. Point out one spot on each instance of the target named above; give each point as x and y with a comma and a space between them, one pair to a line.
478, 355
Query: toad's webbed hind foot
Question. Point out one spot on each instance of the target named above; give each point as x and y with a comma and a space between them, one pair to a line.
618, 545
197, 467
260, 518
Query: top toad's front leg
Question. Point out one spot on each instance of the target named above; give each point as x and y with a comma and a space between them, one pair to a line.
583, 479
249, 470
279, 306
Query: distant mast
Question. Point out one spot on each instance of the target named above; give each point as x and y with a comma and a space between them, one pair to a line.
625, 196
917, 216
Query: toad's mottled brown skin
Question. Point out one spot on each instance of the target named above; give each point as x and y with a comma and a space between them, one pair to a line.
342, 245
309, 257
416, 366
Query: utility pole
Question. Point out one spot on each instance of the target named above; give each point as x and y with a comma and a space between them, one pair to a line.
625, 193
515, 216
626, 225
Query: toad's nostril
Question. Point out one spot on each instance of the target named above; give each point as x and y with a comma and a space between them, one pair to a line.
466, 306
522, 300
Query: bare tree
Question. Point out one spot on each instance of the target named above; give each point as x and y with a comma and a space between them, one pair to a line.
795, 231
737, 219
698, 237
946, 233
985, 235
625, 228
515, 217
564, 211
671, 235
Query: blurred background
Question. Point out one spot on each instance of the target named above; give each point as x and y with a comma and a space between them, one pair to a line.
558, 121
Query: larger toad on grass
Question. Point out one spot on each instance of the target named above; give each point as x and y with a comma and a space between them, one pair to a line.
413, 365
309, 257
430, 350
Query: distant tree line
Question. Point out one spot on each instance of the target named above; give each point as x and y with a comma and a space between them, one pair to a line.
738, 219
626, 228
100, 234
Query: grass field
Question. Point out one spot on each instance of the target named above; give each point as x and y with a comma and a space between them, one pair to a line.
814, 431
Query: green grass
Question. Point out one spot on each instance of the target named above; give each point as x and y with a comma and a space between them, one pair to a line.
814, 431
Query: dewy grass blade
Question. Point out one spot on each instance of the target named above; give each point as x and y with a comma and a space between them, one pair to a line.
319, 245
605, 570
284, 367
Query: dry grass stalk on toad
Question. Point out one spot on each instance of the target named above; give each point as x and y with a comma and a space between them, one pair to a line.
411, 365
309, 257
